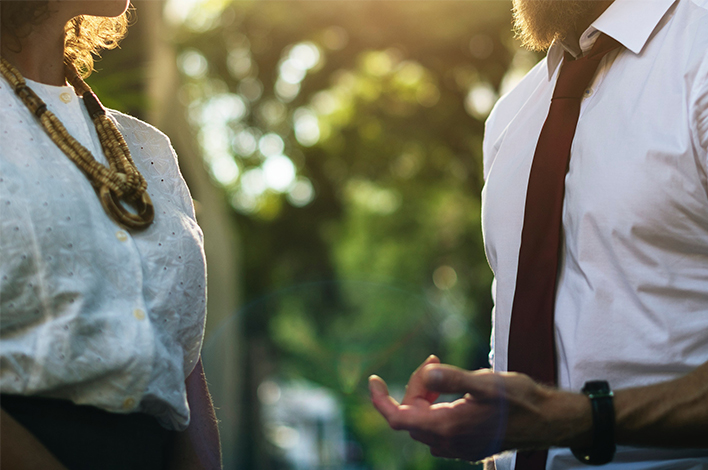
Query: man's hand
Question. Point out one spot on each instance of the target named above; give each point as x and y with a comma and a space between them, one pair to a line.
498, 411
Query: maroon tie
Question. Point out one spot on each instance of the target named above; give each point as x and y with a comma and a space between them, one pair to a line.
531, 339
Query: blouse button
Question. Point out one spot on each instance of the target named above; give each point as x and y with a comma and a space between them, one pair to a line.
129, 403
139, 314
65, 97
587, 93
121, 235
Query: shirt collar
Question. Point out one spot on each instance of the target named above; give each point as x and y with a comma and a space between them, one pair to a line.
630, 22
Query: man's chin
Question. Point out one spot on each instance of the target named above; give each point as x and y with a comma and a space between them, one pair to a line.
539, 22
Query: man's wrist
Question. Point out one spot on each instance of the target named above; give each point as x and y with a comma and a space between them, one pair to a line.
571, 417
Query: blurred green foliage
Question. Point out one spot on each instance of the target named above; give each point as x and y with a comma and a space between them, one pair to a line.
347, 138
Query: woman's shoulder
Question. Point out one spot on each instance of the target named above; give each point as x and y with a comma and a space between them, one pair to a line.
146, 142
134, 128
155, 158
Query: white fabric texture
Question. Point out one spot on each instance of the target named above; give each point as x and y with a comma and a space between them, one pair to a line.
632, 296
91, 312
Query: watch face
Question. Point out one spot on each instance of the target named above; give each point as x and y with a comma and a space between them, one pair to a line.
597, 388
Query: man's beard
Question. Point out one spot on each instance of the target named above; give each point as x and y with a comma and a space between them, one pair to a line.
538, 22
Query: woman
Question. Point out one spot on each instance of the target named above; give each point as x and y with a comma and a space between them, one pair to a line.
102, 275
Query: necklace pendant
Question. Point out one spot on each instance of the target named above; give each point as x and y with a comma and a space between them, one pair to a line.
113, 205
129, 186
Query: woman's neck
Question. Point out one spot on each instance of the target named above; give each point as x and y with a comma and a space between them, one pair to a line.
41, 56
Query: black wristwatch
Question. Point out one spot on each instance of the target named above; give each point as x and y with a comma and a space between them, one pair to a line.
602, 449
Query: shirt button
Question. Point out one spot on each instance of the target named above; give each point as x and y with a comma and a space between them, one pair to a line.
121, 235
587, 93
129, 404
65, 97
139, 314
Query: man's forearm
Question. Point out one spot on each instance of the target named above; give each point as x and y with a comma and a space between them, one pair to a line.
668, 414
532, 416
671, 414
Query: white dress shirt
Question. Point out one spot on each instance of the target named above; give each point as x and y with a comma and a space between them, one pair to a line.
89, 311
632, 295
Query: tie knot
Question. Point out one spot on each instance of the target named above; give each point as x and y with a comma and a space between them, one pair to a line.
575, 75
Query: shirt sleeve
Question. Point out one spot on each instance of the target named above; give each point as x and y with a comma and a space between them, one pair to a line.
489, 150
700, 110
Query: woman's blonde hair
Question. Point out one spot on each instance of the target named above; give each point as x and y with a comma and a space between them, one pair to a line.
88, 35
85, 36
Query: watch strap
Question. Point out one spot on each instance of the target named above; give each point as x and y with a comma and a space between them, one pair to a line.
602, 448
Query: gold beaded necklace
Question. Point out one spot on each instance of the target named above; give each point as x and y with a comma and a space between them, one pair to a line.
120, 182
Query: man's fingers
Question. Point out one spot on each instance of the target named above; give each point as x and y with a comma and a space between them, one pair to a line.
416, 388
383, 402
379, 395
377, 386
443, 378
406, 417
399, 417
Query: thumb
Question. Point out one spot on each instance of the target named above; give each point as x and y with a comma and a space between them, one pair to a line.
444, 378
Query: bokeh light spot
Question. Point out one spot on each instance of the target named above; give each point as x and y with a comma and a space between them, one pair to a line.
325, 102
244, 143
239, 63
444, 277
410, 73
373, 198
378, 63
480, 100
224, 108
306, 126
193, 64
253, 182
292, 71
243, 202
273, 112
285, 437
271, 144
225, 169
268, 392
301, 193
279, 172
251, 89
285, 90
307, 54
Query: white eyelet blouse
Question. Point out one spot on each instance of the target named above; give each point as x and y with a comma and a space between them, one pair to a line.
89, 311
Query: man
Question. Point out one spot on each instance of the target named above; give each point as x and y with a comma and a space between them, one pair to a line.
628, 252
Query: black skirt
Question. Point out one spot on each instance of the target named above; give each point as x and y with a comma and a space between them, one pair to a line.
88, 438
